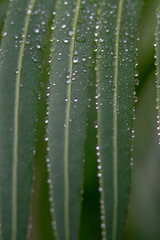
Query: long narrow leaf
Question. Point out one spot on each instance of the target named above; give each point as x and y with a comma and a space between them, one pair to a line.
20, 58
71, 58
157, 47
116, 37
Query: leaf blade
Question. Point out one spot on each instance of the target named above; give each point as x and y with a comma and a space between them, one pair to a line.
66, 177
157, 49
19, 110
115, 89
66, 93
15, 127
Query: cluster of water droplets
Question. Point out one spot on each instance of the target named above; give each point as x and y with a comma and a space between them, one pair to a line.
157, 36
99, 173
135, 100
49, 182
37, 29
47, 159
99, 52
70, 76
157, 83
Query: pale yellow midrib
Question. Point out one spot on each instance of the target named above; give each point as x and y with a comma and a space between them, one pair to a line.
66, 152
115, 157
15, 143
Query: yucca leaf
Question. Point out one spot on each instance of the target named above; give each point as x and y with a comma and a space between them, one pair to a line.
71, 58
116, 37
20, 68
157, 62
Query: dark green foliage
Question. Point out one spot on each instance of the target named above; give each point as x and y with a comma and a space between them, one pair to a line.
68, 75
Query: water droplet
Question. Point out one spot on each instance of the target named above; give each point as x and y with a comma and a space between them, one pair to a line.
135, 99
136, 82
75, 60
38, 46
65, 40
4, 34
97, 148
99, 175
70, 33
29, 11
49, 60
63, 26
100, 189
35, 59
46, 120
46, 138
36, 30
102, 225
49, 181
51, 210
27, 41
101, 39
99, 167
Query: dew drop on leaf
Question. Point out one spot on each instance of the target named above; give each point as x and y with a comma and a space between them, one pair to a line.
75, 100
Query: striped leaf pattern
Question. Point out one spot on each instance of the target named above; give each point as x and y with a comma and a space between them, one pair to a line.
20, 69
83, 34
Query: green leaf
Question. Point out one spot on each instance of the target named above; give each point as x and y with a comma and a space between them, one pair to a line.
20, 69
117, 32
74, 26
90, 223
157, 62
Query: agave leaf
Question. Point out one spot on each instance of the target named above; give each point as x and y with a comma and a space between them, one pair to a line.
117, 32
71, 58
20, 69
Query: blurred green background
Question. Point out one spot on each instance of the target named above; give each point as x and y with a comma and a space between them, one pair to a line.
143, 219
